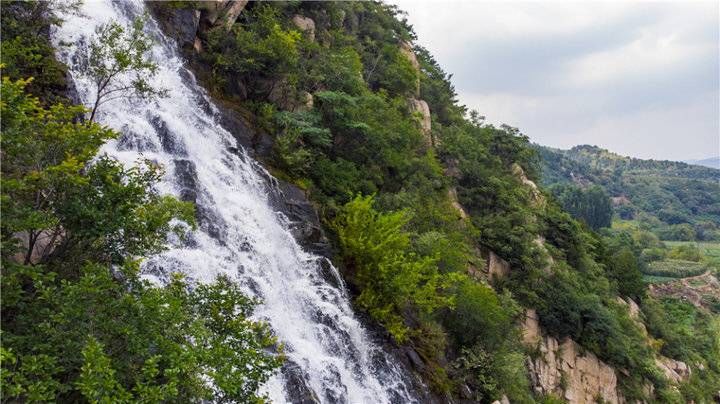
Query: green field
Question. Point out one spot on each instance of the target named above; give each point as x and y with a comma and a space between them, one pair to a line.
710, 249
676, 268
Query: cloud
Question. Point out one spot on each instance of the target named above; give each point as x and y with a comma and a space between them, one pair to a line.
585, 72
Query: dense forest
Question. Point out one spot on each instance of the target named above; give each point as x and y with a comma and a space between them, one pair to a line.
414, 191
676, 201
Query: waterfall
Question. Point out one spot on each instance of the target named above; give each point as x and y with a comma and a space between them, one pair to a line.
239, 233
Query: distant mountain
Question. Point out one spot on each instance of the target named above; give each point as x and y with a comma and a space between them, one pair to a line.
712, 162
676, 200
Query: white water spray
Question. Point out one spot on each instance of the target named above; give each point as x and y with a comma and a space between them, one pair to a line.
240, 235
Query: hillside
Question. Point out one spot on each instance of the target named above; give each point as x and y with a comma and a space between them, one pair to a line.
307, 214
675, 200
712, 162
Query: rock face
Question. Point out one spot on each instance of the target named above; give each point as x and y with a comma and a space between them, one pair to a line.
179, 23
304, 221
421, 107
675, 371
406, 49
452, 195
562, 369
217, 13
497, 267
305, 24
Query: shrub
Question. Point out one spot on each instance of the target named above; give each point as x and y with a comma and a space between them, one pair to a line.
391, 278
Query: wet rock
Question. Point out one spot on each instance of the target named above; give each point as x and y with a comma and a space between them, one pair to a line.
304, 221
256, 142
186, 176
330, 274
296, 389
415, 359
169, 142
181, 24
216, 13
336, 392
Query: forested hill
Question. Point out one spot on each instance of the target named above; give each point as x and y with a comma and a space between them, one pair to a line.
677, 201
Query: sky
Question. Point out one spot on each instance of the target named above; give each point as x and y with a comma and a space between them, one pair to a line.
639, 78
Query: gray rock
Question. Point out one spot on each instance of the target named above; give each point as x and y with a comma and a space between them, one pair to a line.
296, 389
181, 24
304, 221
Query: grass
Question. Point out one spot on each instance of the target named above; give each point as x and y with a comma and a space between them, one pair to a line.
657, 279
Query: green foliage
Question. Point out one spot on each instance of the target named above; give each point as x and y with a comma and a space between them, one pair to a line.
690, 335
675, 200
127, 341
591, 206
26, 50
406, 251
78, 321
676, 268
479, 317
500, 206
687, 252
391, 277
259, 49
623, 268
117, 51
393, 72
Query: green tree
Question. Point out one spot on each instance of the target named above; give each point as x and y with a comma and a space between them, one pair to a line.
115, 52
391, 278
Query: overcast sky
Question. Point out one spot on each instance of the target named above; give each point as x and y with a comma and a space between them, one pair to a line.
638, 78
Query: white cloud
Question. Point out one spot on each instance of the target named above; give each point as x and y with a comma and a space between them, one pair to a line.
637, 77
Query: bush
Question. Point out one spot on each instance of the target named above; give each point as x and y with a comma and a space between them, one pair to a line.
391, 279
687, 252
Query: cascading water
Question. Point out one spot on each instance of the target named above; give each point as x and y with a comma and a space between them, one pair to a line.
240, 235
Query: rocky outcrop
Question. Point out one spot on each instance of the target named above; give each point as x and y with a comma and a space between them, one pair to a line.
421, 108
181, 24
304, 222
216, 13
675, 371
416, 105
406, 49
534, 190
44, 244
455, 203
497, 268
563, 369
305, 24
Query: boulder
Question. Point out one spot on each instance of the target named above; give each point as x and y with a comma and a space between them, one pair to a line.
676, 371
305, 24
